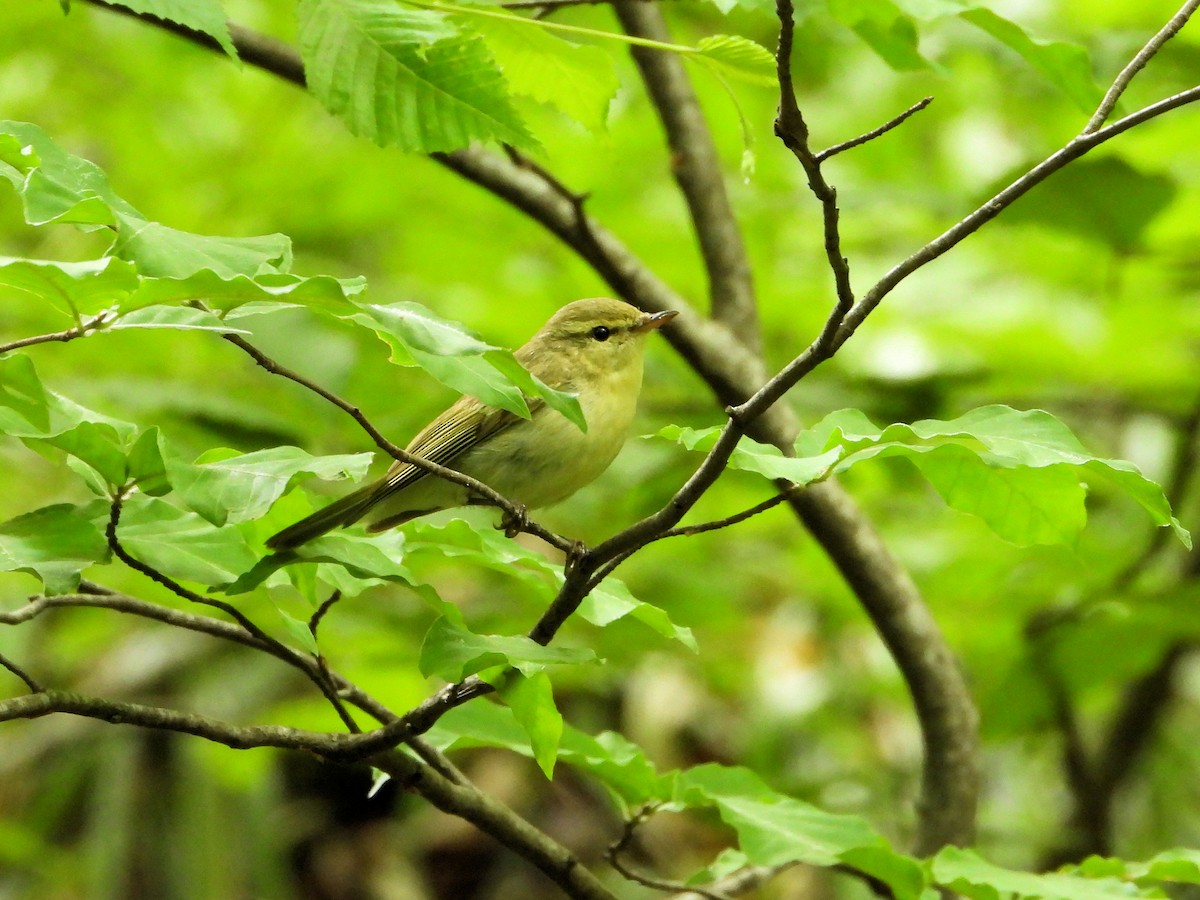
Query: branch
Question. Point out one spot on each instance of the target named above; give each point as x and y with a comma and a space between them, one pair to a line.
515, 513
30, 682
793, 131
972, 222
873, 133
316, 674
1135, 65
697, 170
68, 334
621, 844
446, 794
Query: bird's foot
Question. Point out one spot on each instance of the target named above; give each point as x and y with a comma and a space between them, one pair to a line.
514, 521
574, 555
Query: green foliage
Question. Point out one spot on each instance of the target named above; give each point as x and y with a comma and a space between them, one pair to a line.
1090, 316
1018, 471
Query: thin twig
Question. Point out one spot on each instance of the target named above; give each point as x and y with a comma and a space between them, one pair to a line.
621, 844
314, 621
735, 519
322, 682
1135, 65
67, 334
873, 133
474, 485
793, 131
973, 221
30, 681
463, 800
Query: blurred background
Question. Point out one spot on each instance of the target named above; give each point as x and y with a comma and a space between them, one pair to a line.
1081, 300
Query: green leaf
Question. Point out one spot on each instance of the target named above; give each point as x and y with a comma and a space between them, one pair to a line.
1181, 864
531, 698
346, 561
55, 543
403, 77
966, 872
205, 16
96, 444
244, 295
146, 464
617, 763
486, 546
179, 318
1027, 507
226, 486
578, 80
164, 252
773, 828
885, 29
459, 359
751, 456
612, 600
416, 327
182, 544
738, 57
1067, 66
78, 289
299, 631
452, 652
1022, 505
30, 410
566, 404
54, 185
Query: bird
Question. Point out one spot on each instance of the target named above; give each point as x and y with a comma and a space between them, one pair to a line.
592, 348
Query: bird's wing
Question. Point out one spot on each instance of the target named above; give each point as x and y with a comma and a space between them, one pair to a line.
462, 426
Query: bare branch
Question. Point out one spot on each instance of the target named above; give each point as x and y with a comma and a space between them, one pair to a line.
618, 847
1135, 65
516, 514
736, 519
317, 675
459, 799
793, 131
68, 334
873, 133
697, 170
975, 220
30, 681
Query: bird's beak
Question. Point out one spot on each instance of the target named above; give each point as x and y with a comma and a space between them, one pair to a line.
655, 321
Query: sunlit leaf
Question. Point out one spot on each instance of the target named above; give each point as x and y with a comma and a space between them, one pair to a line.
78, 289
226, 486
452, 652
965, 871
531, 698
404, 77
182, 544
773, 828
55, 543
738, 57
205, 16
576, 79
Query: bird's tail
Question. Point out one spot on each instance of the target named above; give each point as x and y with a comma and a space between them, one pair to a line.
346, 511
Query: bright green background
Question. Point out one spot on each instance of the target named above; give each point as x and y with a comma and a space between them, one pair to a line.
1081, 301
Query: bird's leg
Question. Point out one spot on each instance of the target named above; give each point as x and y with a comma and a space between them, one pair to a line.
514, 520
574, 555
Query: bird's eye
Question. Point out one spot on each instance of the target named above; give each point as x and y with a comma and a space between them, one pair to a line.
601, 333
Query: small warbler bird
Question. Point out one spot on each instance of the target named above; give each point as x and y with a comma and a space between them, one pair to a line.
592, 348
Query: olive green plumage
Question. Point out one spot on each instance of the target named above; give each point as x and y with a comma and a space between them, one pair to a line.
592, 348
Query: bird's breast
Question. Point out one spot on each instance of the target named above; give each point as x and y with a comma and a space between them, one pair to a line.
547, 458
